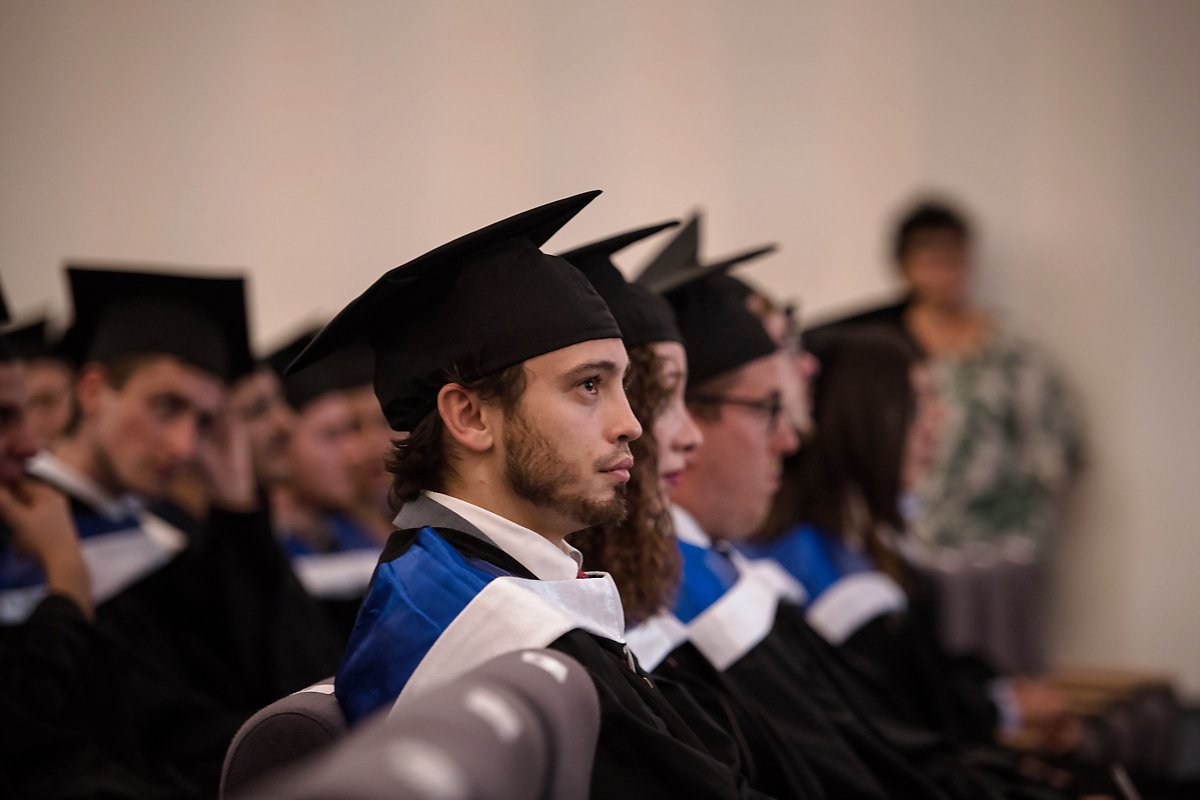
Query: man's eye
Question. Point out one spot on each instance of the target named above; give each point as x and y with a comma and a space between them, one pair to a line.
590, 385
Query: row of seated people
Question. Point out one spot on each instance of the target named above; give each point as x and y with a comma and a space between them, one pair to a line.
550, 416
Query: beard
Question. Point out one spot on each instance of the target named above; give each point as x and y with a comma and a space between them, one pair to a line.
537, 473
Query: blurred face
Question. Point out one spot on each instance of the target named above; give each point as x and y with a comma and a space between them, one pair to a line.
802, 367
376, 433
737, 472
921, 444
147, 431
937, 268
675, 432
566, 447
327, 454
258, 401
16, 443
48, 408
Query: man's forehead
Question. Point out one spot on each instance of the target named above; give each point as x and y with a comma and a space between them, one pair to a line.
603, 352
12, 383
761, 376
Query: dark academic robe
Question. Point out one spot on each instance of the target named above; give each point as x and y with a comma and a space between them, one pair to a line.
744, 621
886, 637
82, 717
209, 613
445, 598
336, 571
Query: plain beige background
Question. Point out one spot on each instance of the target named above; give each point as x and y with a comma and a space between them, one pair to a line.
320, 143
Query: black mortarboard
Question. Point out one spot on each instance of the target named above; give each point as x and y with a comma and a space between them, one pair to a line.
199, 320
6, 352
476, 305
719, 331
348, 368
643, 316
33, 341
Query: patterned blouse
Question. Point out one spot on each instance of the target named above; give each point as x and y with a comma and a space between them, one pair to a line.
1010, 446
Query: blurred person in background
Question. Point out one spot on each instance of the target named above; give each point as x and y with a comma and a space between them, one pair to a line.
209, 603
329, 460
876, 422
82, 714
49, 375
1010, 447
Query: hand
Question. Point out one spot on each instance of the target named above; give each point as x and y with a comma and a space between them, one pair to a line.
1045, 712
226, 464
40, 519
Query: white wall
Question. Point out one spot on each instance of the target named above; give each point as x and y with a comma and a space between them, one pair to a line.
320, 143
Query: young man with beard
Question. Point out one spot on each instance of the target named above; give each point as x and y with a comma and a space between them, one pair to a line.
505, 368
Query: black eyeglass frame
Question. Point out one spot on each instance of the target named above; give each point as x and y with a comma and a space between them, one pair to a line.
772, 405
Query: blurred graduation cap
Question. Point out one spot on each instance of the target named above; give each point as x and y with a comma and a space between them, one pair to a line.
643, 316
6, 351
476, 305
199, 320
34, 341
350, 368
719, 331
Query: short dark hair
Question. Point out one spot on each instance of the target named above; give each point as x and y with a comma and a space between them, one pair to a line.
117, 372
927, 216
420, 461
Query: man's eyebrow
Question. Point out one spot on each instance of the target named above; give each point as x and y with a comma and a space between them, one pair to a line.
591, 367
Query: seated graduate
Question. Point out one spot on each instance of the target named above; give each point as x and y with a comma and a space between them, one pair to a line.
506, 369
313, 510
211, 602
373, 507
69, 727
257, 400
639, 551
877, 415
49, 375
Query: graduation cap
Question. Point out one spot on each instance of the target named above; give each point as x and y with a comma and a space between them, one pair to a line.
351, 367
643, 316
33, 341
719, 331
479, 304
199, 320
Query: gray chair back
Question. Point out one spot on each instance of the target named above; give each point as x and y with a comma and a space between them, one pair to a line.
284, 732
522, 726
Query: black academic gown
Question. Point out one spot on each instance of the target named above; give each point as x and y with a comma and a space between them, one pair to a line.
773, 762
216, 633
227, 614
649, 746
866, 720
83, 717
905, 674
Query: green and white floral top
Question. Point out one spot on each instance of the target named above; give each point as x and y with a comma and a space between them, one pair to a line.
1010, 445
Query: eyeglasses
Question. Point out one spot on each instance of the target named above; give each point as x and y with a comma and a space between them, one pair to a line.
770, 406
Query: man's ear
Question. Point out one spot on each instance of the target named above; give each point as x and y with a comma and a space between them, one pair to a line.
89, 389
465, 418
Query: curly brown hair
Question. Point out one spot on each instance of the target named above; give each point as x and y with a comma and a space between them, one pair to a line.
639, 552
421, 460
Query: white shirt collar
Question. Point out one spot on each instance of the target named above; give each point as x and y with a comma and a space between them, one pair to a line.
687, 529
535, 552
53, 470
